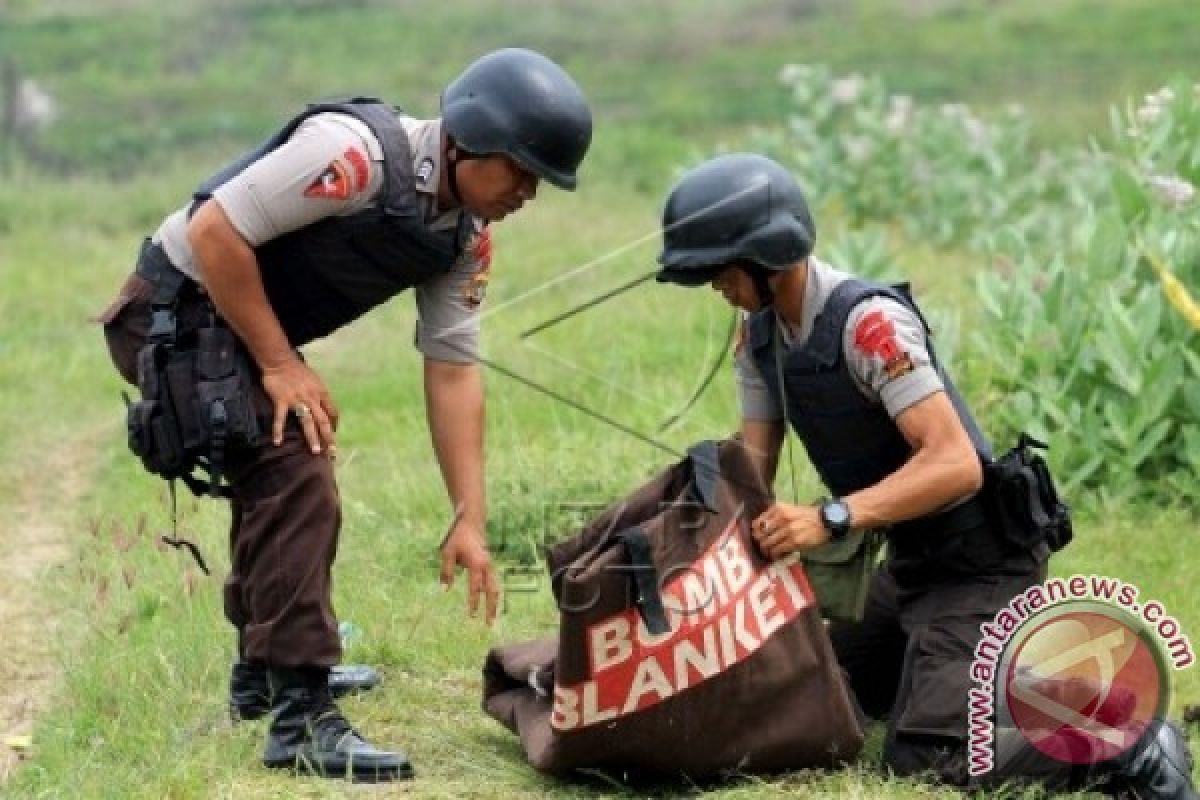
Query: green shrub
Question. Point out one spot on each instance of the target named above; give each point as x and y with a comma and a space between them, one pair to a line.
1087, 338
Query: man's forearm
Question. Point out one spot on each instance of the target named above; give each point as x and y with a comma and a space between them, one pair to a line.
233, 281
455, 409
928, 481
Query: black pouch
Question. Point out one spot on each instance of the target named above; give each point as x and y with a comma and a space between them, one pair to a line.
1024, 500
196, 406
152, 425
224, 385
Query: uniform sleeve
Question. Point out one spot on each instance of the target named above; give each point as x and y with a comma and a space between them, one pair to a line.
448, 307
756, 401
323, 170
888, 354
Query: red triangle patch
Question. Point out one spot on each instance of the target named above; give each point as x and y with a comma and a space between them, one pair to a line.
333, 183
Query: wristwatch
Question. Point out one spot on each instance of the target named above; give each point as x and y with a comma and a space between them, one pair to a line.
835, 516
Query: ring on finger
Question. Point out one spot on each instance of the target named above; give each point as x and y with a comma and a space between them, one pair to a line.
301, 410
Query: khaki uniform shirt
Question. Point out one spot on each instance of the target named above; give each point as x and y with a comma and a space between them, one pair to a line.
332, 166
883, 343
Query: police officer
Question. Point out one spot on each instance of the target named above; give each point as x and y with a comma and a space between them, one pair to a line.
850, 365
347, 205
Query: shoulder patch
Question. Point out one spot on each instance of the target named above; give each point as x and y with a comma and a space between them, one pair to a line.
483, 249
344, 176
361, 166
332, 184
475, 289
425, 171
875, 337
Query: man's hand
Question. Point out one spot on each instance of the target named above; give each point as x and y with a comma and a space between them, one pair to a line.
294, 388
784, 529
465, 547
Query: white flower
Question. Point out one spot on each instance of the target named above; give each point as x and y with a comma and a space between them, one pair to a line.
792, 73
955, 111
858, 148
1165, 95
899, 113
845, 91
1149, 114
34, 108
977, 132
1172, 190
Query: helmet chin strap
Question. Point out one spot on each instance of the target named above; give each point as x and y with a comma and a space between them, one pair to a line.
766, 296
460, 155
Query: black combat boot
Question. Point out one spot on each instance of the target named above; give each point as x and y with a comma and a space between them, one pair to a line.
1159, 767
250, 697
310, 735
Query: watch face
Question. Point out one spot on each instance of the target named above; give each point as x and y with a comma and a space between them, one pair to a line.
837, 514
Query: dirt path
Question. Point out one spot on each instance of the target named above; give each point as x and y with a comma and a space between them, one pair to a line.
35, 536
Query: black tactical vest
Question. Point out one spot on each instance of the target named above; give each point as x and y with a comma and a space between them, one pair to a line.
325, 275
851, 441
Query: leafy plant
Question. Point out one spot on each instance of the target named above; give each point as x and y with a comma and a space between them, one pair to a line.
1089, 332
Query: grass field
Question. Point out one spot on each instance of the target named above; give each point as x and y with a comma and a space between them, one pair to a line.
157, 94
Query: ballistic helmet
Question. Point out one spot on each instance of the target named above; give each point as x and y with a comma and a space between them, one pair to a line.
522, 104
738, 208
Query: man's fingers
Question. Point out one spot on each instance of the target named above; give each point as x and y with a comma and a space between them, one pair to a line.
493, 595
280, 420
325, 429
446, 575
772, 543
474, 589
311, 435
764, 524
331, 410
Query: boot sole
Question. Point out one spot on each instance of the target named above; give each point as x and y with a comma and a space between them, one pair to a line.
352, 775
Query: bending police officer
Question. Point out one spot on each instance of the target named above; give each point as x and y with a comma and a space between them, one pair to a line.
347, 205
849, 365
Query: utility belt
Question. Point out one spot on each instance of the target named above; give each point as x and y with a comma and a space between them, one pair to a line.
197, 386
952, 522
1018, 509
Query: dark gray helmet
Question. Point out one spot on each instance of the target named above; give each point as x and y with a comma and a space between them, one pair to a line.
735, 208
520, 103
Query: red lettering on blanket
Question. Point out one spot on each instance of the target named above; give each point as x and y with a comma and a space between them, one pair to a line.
721, 609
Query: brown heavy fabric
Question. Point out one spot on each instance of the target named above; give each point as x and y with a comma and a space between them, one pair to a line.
744, 679
286, 516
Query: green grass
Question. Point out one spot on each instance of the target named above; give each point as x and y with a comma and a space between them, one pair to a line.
154, 100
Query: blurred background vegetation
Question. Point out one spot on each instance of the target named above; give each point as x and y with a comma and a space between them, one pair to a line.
139, 84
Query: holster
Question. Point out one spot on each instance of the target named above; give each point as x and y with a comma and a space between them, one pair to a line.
1023, 500
197, 387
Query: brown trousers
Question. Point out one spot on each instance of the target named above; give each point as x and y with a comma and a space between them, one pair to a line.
286, 515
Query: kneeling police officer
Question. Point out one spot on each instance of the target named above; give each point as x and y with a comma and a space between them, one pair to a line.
849, 365
347, 205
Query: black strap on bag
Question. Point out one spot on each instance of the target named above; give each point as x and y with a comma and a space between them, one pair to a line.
645, 580
706, 473
1024, 499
